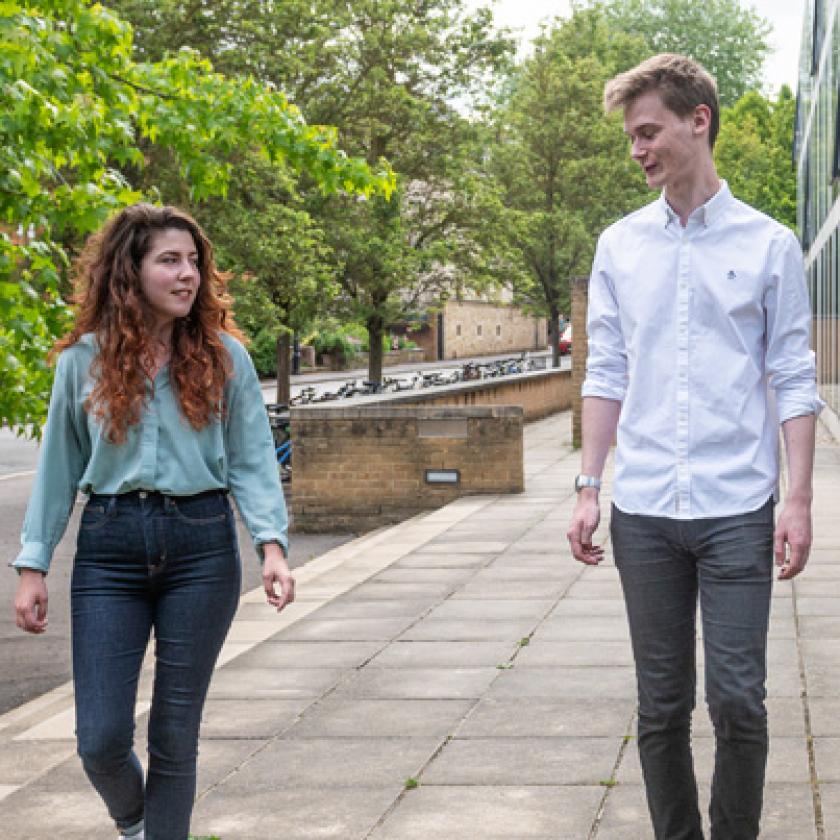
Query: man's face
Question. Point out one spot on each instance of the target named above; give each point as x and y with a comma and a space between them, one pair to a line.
669, 148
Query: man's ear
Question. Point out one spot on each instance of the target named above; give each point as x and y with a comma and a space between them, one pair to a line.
701, 119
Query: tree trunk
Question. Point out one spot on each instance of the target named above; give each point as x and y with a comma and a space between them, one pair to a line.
284, 369
375, 328
554, 333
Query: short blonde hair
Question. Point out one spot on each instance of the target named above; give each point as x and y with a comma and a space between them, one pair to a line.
681, 82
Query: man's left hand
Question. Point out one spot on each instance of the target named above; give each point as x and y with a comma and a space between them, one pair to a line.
792, 538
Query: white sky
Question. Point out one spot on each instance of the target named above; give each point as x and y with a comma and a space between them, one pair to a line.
784, 15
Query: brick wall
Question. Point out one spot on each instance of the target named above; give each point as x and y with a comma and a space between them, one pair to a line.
474, 328
580, 297
357, 468
539, 394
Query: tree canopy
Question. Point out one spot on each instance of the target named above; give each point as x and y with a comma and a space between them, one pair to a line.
728, 38
754, 152
79, 113
558, 171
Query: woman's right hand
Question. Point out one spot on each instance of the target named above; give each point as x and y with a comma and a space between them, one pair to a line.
31, 601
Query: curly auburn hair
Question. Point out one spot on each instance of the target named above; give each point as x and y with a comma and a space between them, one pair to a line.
110, 304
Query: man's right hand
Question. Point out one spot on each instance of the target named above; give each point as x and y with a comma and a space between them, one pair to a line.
31, 601
585, 519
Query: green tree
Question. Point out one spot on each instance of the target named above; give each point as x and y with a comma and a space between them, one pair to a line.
728, 38
389, 73
558, 171
408, 65
754, 152
285, 277
77, 108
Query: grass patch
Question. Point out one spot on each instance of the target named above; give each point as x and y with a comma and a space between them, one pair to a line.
411, 783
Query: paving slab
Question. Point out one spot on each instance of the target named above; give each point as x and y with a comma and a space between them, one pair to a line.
345, 629
466, 547
349, 607
423, 575
524, 717
582, 684
430, 592
468, 630
560, 654
329, 763
420, 654
491, 609
513, 590
245, 811
420, 683
825, 716
249, 718
419, 560
589, 607
498, 813
330, 654
583, 629
279, 683
511, 761
340, 716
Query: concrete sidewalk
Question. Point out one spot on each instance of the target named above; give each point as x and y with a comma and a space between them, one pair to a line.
456, 677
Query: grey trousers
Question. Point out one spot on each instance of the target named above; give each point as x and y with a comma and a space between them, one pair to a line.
664, 564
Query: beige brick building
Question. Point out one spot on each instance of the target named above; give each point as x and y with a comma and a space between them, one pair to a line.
479, 328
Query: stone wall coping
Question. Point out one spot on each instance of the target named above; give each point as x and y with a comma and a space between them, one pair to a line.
378, 410
420, 394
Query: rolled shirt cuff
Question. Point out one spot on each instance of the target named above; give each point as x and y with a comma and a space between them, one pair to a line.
33, 555
267, 537
605, 390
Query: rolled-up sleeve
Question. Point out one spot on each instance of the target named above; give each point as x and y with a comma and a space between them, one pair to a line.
606, 363
253, 476
790, 362
61, 463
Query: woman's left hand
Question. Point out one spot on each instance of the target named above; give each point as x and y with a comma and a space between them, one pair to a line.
275, 571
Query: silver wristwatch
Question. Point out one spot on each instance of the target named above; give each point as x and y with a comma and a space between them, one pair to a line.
582, 481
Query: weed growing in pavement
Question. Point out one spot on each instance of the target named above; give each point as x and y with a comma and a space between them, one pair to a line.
411, 783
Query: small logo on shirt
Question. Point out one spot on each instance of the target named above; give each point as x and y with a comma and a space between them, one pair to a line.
731, 275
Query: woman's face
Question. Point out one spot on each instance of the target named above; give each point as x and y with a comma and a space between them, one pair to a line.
169, 276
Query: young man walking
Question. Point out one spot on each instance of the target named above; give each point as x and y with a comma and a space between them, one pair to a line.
699, 327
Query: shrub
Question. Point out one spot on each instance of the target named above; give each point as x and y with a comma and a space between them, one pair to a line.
263, 349
336, 343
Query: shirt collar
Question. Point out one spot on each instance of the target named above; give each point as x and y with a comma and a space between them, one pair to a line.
705, 214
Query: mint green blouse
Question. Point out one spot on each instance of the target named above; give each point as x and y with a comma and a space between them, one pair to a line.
162, 453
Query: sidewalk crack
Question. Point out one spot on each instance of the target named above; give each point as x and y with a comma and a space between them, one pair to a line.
806, 714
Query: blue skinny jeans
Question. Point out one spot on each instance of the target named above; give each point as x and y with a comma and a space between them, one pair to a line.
147, 562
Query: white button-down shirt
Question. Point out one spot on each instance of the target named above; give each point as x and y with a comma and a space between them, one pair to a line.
695, 330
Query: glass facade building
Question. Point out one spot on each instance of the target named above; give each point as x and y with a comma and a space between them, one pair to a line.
817, 159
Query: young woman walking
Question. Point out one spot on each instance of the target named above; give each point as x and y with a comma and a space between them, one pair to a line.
156, 414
